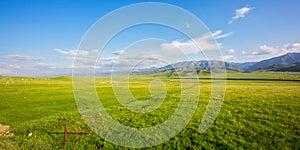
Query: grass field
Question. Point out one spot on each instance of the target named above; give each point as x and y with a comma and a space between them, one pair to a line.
256, 114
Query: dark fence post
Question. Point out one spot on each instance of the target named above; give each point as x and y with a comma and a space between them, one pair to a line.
65, 134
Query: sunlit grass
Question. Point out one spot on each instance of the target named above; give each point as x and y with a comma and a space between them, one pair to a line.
255, 113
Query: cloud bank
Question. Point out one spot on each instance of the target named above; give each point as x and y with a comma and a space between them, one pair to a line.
22, 57
206, 42
274, 50
72, 52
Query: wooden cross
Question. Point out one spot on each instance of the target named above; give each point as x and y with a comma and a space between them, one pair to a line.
66, 132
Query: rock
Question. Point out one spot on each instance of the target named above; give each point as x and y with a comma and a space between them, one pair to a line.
4, 132
4, 128
29, 134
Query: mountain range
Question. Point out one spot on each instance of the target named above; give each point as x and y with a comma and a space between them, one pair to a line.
288, 62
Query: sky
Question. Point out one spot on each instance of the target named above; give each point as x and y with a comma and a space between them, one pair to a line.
42, 37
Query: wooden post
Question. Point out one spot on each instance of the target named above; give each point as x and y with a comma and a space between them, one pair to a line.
65, 134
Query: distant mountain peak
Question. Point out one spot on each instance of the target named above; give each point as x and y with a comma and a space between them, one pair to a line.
288, 58
283, 60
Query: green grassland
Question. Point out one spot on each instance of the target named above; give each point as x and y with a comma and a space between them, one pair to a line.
257, 113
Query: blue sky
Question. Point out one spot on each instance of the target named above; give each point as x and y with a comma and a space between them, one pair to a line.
40, 37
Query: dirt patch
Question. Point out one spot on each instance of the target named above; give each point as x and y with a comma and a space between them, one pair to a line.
4, 132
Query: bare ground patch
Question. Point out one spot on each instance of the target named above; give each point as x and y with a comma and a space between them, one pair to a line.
4, 131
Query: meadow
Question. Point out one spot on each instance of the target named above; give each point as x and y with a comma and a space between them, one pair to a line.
260, 111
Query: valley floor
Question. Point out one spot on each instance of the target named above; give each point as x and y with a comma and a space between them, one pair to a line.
260, 110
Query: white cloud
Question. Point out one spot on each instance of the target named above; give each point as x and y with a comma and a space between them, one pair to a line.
240, 13
43, 65
131, 61
230, 51
5, 71
227, 58
252, 53
206, 42
275, 50
218, 34
295, 47
118, 52
10, 65
72, 52
20, 65
82, 57
11, 68
106, 60
22, 57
